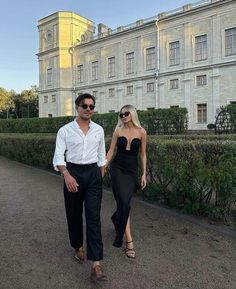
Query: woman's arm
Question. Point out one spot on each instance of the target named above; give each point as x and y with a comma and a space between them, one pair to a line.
143, 157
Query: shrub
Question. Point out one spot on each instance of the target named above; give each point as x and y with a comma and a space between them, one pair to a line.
157, 121
196, 175
211, 126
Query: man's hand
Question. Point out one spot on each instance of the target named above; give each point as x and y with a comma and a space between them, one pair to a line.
71, 183
102, 169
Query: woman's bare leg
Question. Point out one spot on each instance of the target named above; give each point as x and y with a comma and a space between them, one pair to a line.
128, 235
129, 251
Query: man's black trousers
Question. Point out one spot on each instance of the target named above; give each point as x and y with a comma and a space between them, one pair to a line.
90, 194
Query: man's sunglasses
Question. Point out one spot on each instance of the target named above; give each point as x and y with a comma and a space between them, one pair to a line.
85, 106
124, 114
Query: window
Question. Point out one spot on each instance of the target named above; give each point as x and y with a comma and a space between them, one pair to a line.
201, 47
230, 41
50, 115
80, 73
174, 106
130, 63
201, 80
49, 38
174, 83
202, 113
112, 110
111, 67
150, 86
49, 77
174, 53
45, 99
95, 70
53, 97
129, 89
111, 92
150, 58
95, 94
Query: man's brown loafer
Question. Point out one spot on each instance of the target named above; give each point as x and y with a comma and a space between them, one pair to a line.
97, 274
79, 255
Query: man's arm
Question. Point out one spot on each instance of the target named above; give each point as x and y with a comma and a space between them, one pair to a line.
102, 154
59, 154
70, 181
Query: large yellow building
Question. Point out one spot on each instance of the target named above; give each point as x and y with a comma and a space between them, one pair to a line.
185, 57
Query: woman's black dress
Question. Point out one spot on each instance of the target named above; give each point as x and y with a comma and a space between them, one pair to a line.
124, 176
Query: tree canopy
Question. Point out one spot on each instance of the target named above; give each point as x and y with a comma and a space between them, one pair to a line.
15, 105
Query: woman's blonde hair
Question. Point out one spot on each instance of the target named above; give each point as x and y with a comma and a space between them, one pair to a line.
134, 116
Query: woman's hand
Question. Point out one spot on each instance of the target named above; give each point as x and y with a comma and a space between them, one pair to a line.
143, 182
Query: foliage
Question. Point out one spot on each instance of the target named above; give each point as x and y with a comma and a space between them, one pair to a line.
6, 102
197, 175
232, 111
164, 121
211, 126
32, 149
13, 105
172, 121
33, 125
26, 104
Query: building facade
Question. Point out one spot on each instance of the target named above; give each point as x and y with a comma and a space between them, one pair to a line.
182, 58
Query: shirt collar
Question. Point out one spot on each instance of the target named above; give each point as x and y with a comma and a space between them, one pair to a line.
91, 123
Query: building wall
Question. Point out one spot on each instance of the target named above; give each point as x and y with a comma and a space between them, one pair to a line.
212, 21
58, 33
203, 21
132, 41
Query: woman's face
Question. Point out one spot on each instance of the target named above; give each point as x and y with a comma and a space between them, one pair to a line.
125, 115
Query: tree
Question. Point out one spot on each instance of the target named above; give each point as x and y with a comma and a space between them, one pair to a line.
18, 105
6, 102
26, 103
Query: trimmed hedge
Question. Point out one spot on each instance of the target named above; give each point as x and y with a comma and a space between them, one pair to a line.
158, 121
33, 125
197, 176
31, 149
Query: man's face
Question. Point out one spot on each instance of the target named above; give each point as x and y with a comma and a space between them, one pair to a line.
86, 109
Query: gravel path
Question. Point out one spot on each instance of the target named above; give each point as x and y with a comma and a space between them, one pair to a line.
172, 252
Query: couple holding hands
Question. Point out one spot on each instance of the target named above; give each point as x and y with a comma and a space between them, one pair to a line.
80, 156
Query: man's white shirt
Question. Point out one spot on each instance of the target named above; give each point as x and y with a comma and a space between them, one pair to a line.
72, 145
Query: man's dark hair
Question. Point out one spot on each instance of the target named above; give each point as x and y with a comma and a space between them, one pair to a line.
83, 96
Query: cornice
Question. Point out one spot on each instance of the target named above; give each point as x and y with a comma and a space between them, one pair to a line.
116, 82
117, 34
192, 69
52, 50
194, 10
53, 90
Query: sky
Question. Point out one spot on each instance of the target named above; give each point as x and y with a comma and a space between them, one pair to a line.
19, 32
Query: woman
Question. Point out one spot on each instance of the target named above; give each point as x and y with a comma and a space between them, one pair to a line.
129, 138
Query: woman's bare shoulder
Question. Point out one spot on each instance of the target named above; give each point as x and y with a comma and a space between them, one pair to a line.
143, 131
117, 132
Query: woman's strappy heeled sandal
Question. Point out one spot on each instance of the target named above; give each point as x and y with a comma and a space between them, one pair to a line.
130, 252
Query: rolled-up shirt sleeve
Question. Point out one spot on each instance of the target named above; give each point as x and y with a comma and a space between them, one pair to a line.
59, 154
102, 151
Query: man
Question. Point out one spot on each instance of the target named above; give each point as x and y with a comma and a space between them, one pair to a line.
82, 142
